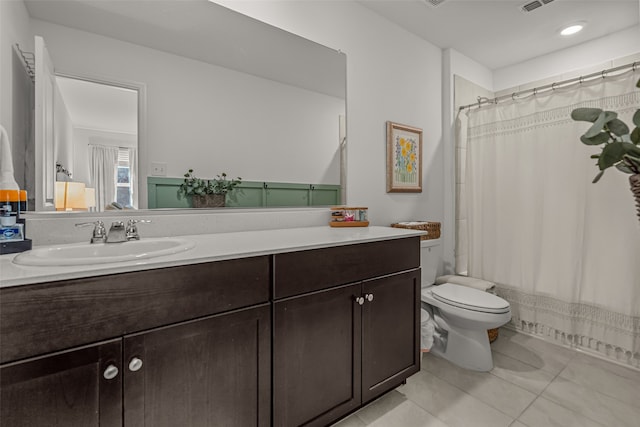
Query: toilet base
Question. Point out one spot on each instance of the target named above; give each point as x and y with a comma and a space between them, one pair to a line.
466, 348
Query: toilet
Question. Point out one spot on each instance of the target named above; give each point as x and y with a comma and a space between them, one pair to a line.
460, 315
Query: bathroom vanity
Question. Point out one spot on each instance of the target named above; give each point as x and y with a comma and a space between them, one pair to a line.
293, 330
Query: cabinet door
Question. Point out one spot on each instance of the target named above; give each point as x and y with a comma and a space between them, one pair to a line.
209, 372
316, 357
390, 332
80, 387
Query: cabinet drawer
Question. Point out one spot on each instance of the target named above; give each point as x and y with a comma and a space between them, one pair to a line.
306, 271
37, 319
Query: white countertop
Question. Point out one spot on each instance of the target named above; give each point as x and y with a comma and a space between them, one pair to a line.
209, 247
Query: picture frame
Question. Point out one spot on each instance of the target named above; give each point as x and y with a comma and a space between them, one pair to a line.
404, 158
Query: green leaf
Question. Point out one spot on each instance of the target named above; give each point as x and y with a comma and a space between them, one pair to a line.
635, 136
636, 118
598, 139
623, 168
618, 127
586, 114
633, 161
632, 149
604, 118
611, 154
597, 178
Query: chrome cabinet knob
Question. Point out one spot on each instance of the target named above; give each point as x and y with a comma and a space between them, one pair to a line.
135, 364
369, 297
359, 300
110, 372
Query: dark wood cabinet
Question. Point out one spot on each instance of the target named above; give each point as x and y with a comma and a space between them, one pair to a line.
210, 372
300, 338
214, 371
316, 352
336, 346
191, 348
75, 388
390, 332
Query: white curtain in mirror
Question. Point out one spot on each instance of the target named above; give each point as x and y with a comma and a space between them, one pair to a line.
563, 251
102, 163
133, 175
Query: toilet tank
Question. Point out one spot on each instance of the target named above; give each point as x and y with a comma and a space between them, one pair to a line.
430, 257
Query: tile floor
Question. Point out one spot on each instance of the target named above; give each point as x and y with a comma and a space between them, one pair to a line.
533, 384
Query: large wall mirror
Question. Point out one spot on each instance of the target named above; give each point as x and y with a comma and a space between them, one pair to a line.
217, 92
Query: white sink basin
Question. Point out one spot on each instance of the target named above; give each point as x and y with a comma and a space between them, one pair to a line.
102, 253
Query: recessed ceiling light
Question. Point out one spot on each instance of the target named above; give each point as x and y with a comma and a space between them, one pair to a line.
571, 29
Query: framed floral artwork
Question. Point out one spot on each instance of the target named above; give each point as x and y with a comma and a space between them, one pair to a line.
404, 159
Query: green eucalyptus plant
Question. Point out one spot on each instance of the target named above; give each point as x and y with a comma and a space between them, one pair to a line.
193, 186
620, 147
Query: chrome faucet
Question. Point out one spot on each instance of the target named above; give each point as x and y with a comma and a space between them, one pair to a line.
132, 228
116, 232
99, 232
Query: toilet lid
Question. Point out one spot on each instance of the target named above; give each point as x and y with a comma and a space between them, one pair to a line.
469, 298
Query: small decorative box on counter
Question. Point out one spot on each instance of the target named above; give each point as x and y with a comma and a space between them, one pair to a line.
432, 228
346, 216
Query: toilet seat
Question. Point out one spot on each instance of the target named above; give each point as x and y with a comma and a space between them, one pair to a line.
469, 298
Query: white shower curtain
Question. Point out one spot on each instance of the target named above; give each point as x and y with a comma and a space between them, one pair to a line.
102, 167
563, 251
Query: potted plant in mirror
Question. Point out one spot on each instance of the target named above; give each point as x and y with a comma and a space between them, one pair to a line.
207, 193
620, 147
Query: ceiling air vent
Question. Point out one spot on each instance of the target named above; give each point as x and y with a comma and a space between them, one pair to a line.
531, 6
434, 3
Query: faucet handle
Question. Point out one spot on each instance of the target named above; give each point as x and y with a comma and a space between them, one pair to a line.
99, 232
132, 230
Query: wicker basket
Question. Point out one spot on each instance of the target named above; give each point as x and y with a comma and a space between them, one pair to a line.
493, 334
432, 228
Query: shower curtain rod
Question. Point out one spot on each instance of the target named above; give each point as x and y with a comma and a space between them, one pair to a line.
553, 86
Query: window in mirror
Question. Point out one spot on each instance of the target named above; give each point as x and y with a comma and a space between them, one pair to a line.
123, 180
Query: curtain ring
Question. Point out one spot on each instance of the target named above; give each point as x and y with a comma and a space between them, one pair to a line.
535, 91
513, 96
581, 79
553, 86
604, 73
633, 66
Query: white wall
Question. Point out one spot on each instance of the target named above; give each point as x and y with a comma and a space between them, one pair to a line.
15, 86
209, 118
62, 131
391, 75
580, 58
14, 28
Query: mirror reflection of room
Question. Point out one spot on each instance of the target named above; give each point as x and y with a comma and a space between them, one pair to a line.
204, 103
96, 145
